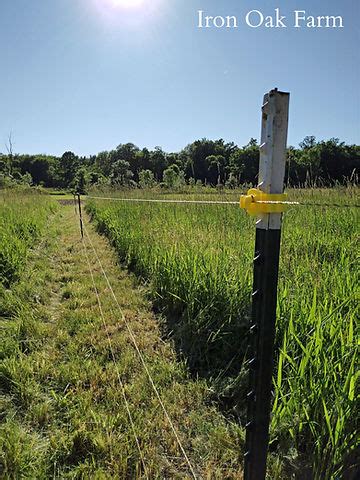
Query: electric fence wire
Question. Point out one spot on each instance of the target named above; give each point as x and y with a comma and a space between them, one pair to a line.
304, 204
122, 387
146, 200
216, 202
133, 339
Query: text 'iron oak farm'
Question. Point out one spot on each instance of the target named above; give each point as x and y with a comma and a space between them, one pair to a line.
257, 19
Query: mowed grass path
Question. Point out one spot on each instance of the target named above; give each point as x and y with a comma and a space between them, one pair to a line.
62, 409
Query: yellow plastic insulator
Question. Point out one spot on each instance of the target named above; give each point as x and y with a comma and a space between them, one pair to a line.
250, 202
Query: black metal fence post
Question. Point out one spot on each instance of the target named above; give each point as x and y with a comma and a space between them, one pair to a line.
264, 297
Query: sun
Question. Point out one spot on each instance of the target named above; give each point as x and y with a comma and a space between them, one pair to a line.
133, 14
126, 3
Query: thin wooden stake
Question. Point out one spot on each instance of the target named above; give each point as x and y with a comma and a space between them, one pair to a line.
80, 215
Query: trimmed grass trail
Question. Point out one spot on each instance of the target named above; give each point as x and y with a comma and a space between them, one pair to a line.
65, 370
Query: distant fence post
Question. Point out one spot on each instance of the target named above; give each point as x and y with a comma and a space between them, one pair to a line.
80, 215
75, 204
275, 112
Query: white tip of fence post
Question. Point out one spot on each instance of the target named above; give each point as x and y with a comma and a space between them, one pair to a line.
274, 129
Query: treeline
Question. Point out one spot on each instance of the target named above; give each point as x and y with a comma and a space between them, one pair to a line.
204, 162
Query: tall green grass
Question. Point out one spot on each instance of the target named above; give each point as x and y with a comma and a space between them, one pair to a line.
198, 261
22, 218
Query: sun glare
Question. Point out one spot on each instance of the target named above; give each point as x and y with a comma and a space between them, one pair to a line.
126, 3
129, 14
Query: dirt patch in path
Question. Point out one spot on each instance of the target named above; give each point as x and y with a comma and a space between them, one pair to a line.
65, 202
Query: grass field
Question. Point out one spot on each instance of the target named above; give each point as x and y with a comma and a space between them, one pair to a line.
62, 409
22, 221
197, 261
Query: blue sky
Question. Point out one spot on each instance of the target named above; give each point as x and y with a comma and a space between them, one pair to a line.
85, 75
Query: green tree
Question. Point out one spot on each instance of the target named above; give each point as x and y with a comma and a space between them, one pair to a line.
4, 170
244, 163
103, 163
231, 182
127, 152
216, 169
81, 182
308, 142
309, 159
68, 166
146, 179
337, 160
121, 173
96, 178
158, 163
41, 167
174, 177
